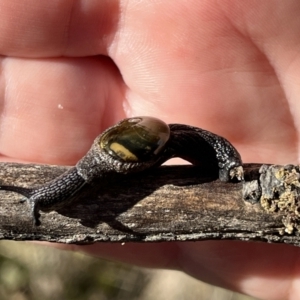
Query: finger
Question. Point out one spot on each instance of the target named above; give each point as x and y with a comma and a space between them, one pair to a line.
256, 269
52, 109
212, 87
57, 28
262, 270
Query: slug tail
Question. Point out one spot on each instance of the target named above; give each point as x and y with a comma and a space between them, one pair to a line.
17, 189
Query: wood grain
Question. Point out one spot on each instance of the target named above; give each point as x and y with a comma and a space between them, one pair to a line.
173, 203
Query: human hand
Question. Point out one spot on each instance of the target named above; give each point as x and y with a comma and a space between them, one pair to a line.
70, 69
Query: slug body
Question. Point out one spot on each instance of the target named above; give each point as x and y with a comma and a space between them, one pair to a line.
134, 145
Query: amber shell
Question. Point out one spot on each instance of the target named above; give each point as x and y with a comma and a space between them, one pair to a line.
136, 139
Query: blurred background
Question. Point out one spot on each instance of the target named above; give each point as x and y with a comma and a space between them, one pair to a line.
31, 271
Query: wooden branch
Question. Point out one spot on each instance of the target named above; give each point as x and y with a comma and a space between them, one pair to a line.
174, 203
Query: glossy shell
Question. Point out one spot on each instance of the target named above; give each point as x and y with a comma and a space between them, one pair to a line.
136, 139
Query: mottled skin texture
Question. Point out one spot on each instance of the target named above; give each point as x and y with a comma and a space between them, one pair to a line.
52, 195
198, 146
201, 147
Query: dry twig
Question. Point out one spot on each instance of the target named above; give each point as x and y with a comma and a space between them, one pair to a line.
165, 204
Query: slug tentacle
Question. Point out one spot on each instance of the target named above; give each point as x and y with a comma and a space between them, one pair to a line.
134, 145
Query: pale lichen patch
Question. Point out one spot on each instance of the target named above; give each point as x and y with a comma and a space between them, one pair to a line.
280, 194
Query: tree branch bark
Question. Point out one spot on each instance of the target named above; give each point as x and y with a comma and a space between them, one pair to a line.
173, 203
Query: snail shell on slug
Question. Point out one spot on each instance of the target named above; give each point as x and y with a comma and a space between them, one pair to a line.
136, 139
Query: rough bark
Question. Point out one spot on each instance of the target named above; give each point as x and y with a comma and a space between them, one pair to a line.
174, 203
